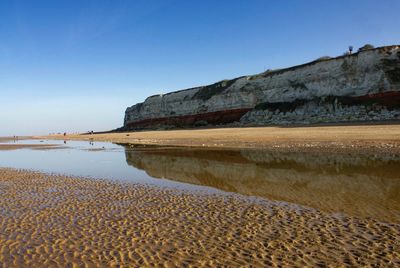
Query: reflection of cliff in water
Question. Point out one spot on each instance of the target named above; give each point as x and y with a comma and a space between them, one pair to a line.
354, 184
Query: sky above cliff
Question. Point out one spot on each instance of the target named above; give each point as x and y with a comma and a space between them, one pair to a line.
76, 65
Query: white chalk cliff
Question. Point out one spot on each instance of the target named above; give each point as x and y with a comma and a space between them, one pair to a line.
361, 86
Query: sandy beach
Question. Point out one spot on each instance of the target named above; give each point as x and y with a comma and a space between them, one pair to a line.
30, 146
53, 220
56, 220
378, 138
6, 144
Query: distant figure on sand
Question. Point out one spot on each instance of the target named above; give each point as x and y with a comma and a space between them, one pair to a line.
65, 134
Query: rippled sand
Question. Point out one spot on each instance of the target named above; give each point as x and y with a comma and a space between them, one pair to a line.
51, 220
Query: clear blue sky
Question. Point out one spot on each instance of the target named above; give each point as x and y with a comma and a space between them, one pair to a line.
76, 65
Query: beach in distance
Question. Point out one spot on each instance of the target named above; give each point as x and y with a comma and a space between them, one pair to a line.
362, 137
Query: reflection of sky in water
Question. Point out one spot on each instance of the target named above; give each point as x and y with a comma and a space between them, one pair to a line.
81, 158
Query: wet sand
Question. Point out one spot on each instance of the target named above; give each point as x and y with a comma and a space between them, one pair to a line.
378, 138
53, 220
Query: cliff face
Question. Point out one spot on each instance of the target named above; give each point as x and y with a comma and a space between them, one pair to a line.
361, 86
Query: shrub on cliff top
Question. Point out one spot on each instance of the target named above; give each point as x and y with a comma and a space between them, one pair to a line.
366, 47
323, 58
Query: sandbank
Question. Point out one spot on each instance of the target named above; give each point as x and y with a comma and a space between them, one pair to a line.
377, 138
4, 147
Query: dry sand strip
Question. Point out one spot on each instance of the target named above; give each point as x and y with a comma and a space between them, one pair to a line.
4, 147
51, 220
6, 139
14, 146
371, 138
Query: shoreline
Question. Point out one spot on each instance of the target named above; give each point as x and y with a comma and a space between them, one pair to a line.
66, 220
363, 138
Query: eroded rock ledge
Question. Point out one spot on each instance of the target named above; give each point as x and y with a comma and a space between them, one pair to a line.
359, 87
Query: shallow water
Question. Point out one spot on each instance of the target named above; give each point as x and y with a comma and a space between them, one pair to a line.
357, 185
79, 158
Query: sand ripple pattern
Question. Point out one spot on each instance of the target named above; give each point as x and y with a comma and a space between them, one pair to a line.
51, 220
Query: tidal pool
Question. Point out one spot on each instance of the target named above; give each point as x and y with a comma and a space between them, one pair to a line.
363, 185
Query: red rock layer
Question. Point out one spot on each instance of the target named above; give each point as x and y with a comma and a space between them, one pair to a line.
388, 98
